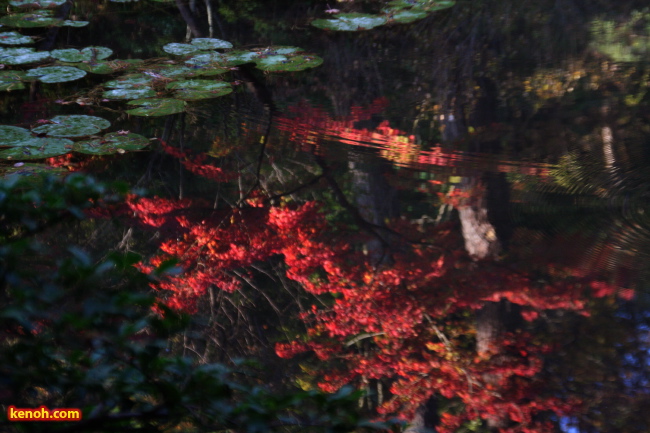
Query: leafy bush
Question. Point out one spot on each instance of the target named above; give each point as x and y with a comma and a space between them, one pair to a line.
79, 333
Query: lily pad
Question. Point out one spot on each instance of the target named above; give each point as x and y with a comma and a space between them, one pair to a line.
156, 107
14, 38
180, 49
38, 18
207, 60
241, 57
428, 5
40, 4
351, 22
13, 135
71, 23
169, 71
210, 44
87, 54
76, 125
11, 80
22, 56
132, 81
31, 168
408, 16
291, 64
56, 74
190, 90
114, 142
129, 93
107, 67
38, 148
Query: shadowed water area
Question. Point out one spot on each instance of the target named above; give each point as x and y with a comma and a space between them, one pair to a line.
451, 213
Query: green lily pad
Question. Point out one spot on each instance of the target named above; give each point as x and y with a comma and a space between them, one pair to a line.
22, 56
271, 61
428, 5
114, 142
11, 80
88, 54
56, 74
40, 4
71, 23
132, 81
13, 135
408, 16
190, 90
30, 168
291, 64
351, 22
207, 60
76, 125
129, 93
38, 148
39, 18
210, 44
14, 38
235, 58
180, 49
169, 71
156, 107
107, 67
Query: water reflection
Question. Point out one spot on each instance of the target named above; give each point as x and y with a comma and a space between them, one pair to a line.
463, 232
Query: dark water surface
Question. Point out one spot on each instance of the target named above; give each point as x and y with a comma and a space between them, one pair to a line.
514, 137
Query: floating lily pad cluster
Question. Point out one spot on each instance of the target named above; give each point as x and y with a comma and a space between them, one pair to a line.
54, 138
39, 17
397, 11
163, 88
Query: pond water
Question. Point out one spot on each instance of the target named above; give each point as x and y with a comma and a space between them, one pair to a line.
464, 197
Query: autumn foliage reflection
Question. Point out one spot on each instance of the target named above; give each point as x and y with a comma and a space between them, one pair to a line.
409, 322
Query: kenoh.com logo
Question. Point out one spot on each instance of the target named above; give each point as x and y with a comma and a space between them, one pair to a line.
43, 414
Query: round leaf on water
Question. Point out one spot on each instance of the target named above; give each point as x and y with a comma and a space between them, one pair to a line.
129, 93
292, 64
39, 18
13, 135
56, 74
88, 54
170, 71
180, 49
21, 56
70, 23
351, 22
11, 80
285, 50
408, 16
108, 67
271, 61
38, 148
76, 125
132, 81
156, 107
207, 60
190, 90
29, 169
114, 142
37, 3
210, 44
14, 38
429, 5
241, 57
